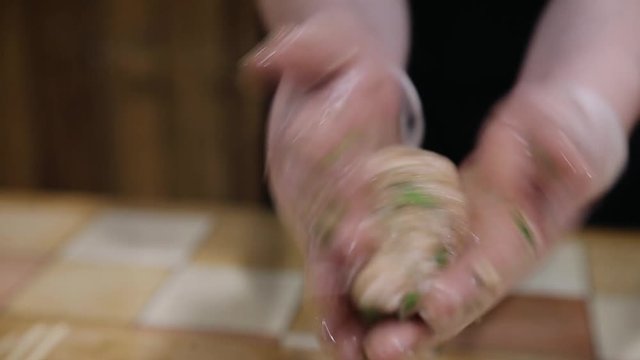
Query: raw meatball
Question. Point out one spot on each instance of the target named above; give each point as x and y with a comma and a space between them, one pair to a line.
418, 221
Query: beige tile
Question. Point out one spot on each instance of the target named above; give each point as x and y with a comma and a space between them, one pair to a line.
616, 325
563, 274
250, 237
36, 227
86, 341
149, 237
615, 261
226, 299
112, 294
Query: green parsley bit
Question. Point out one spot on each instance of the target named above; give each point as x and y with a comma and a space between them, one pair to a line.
370, 316
409, 305
524, 228
411, 196
442, 257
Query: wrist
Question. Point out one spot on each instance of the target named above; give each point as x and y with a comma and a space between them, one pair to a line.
583, 119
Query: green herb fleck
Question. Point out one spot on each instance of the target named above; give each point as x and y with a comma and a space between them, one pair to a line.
524, 228
409, 305
370, 316
442, 257
411, 196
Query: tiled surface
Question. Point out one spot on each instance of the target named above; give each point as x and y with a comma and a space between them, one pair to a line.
37, 228
225, 298
249, 237
160, 238
80, 280
107, 293
563, 274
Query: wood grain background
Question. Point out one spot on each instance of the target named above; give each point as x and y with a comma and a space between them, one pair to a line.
129, 97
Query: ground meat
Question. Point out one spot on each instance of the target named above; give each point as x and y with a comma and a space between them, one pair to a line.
418, 221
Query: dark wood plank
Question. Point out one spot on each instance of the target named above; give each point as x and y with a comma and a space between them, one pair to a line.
536, 325
65, 60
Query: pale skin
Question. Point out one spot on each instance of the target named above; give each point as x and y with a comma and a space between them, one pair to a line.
555, 144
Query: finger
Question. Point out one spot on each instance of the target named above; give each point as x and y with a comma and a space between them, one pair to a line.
340, 331
309, 52
394, 340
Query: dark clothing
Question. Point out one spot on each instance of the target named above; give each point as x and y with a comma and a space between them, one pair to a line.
465, 57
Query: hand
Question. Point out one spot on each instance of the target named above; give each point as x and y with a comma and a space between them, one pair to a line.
555, 144
338, 100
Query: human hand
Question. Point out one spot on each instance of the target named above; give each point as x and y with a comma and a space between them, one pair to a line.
551, 148
339, 99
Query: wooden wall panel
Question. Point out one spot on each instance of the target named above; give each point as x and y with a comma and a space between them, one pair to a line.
134, 98
17, 141
66, 68
138, 95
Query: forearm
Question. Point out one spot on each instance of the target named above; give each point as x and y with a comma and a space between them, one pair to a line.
594, 45
387, 21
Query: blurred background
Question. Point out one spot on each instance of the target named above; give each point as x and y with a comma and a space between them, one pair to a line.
463, 61
129, 98
140, 98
